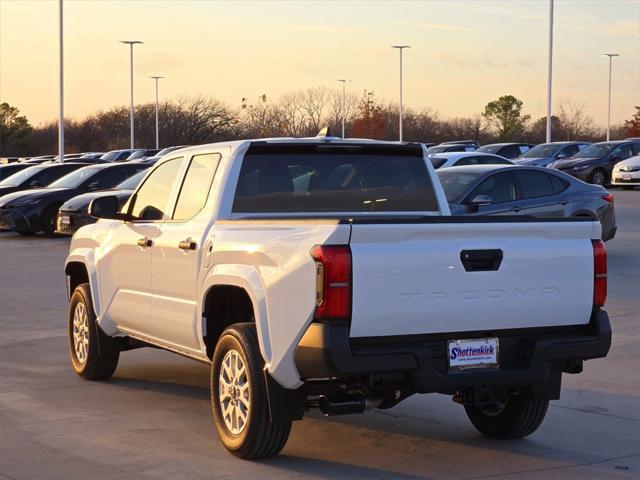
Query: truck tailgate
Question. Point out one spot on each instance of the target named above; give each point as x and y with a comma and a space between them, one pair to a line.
409, 278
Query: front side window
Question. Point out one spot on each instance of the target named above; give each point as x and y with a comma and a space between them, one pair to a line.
151, 200
500, 187
622, 152
197, 183
333, 182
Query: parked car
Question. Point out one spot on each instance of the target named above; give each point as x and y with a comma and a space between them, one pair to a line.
455, 159
160, 154
74, 213
11, 168
452, 147
37, 176
595, 163
33, 211
545, 153
119, 155
141, 154
38, 158
520, 190
327, 273
627, 173
507, 150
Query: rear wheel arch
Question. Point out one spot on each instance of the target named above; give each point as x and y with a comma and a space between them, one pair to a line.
222, 306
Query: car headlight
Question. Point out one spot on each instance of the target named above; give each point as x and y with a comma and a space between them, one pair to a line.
25, 203
580, 167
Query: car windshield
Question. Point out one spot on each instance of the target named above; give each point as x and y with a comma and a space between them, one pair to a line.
438, 149
597, 150
76, 178
543, 150
437, 162
111, 156
132, 182
455, 184
22, 176
490, 148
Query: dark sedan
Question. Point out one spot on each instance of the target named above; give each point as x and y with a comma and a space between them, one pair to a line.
37, 176
518, 190
545, 153
74, 213
32, 211
11, 168
595, 163
506, 150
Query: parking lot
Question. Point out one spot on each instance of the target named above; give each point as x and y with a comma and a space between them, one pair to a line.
153, 420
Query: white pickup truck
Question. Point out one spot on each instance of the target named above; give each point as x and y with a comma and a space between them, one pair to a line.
328, 273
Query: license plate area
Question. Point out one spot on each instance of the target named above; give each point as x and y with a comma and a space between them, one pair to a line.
473, 353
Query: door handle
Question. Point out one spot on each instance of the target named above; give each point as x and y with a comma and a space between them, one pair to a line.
516, 209
145, 242
187, 244
481, 260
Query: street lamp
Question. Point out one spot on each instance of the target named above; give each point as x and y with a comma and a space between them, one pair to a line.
61, 73
156, 78
344, 83
131, 43
400, 48
610, 55
549, 71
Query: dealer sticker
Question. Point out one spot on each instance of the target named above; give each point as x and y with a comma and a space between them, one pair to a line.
481, 352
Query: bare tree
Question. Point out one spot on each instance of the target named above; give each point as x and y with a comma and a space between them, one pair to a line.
575, 124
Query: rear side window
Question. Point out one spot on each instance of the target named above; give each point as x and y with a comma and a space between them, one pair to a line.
511, 151
534, 184
333, 182
558, 185
437, 162
197, 183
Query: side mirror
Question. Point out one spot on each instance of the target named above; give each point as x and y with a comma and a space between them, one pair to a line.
93, 186
480, 201
35, 184
105, 207
562, 156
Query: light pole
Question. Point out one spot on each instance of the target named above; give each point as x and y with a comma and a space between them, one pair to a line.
156, 78
344, 96
131, 43
61, 66
549, 71
610, 55
400, 48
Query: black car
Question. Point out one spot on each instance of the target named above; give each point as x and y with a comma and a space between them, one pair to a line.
32, 211
37, 176
507, 150
152, 160
595, 163
74, 213
11, 168
119, 155
519, 190
140, 154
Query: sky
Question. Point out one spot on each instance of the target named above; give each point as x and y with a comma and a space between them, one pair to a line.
464, 53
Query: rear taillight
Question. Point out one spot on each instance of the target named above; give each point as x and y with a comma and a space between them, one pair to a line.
599, 273
333, 282
607, 198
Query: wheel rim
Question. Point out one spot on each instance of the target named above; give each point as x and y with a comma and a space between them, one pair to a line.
234, 392
81, 332
598, 178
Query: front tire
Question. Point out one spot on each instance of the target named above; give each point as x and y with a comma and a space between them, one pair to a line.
94, 355
239, 398
598, 177
516, 417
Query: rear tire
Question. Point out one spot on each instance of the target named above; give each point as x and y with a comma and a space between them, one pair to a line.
94, 355
239, 398
519, 416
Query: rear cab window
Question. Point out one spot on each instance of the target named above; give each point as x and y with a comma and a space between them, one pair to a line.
334, 178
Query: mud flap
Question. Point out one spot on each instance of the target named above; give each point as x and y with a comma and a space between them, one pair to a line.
284, 404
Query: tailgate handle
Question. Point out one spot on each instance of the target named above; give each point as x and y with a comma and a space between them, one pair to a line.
481, 260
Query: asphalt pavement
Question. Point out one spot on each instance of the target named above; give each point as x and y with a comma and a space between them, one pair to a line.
152, 420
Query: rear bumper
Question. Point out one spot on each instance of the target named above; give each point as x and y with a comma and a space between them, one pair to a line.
527, 358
